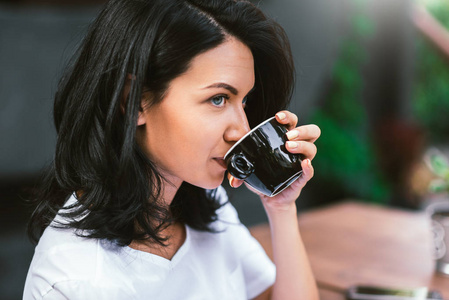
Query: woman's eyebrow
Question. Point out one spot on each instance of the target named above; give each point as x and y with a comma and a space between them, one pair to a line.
230, 88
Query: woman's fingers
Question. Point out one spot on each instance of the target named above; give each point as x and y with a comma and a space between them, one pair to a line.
234, 182
301, 140
308, 133
307, 170
307, 174
287, 118
307, 149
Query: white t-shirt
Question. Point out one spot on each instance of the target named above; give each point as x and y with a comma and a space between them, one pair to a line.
226, 265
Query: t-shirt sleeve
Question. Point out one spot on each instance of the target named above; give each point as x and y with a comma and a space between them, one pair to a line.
258, 270
55, 294
85, 290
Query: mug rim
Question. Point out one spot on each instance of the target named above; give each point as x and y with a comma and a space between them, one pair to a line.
285, 185
248, 133
436, 207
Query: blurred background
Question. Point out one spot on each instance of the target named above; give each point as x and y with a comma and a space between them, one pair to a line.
373, 74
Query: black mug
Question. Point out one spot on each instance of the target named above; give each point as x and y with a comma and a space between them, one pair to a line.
262, 161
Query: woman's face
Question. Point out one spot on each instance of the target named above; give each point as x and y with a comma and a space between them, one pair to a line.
202, 115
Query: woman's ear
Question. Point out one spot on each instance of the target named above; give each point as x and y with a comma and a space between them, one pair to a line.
141, 117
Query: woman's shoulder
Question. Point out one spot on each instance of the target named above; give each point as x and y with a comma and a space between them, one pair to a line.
68, 261
64, 248
65, 251
59, 235
61, 257
56, 239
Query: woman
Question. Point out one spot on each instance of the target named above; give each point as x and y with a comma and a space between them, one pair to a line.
132, 206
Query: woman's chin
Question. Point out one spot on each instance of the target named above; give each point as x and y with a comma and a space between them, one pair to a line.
211, 184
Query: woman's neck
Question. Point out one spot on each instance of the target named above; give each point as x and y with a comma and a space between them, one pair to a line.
174, 233
169, 188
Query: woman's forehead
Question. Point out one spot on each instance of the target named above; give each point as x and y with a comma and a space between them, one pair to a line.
229, 63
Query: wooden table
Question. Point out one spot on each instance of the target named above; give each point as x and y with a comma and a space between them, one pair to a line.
354, 243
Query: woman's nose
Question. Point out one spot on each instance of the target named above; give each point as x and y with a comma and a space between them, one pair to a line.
238, 128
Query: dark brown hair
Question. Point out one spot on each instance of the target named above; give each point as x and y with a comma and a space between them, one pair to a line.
96, 151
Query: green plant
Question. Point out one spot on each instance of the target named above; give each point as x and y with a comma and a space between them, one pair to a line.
346, 153
431, 88
438, 163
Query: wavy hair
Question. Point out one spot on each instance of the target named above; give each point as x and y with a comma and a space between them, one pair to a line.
96, 151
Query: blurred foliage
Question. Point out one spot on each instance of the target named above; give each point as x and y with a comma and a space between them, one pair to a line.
431, 86
438, 163
346, 155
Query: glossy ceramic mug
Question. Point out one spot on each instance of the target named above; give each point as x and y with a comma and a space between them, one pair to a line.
262, 161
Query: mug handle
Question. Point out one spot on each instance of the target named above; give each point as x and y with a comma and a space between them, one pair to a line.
240, 167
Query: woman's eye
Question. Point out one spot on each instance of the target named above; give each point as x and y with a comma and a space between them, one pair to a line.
219, 100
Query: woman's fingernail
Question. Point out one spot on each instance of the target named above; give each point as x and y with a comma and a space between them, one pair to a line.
292, 134
281, 116
308, 162
292, 145
231, 181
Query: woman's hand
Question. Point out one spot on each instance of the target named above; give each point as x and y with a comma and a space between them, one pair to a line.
300, 141
294, 277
